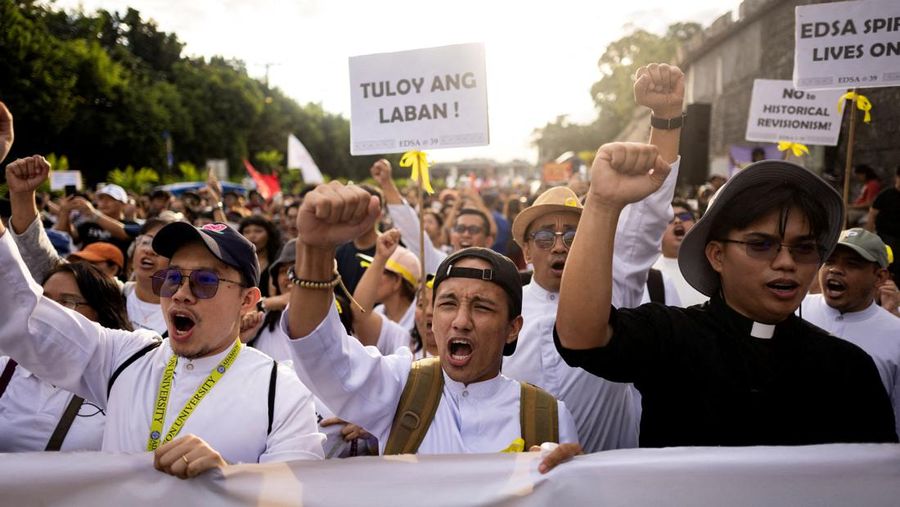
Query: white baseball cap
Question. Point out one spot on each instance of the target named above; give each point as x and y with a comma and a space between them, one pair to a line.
115, 191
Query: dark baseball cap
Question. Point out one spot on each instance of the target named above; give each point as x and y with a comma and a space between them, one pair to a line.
225, 243
502, 272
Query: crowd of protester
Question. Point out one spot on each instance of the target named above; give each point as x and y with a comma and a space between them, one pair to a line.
330, 323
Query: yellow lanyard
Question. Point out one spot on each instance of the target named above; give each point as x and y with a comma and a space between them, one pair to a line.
162, 399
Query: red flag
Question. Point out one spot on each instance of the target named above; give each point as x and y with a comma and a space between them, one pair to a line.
266, 184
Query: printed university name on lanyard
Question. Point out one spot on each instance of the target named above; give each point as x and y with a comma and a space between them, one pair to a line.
162, 399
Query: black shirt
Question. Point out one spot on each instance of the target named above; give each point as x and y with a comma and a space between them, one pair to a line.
349, 265
887, 222
705, 381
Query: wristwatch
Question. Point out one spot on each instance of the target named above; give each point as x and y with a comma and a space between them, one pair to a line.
667, 123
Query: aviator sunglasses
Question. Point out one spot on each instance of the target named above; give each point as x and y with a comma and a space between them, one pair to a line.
204, 283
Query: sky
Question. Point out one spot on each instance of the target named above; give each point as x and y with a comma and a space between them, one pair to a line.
541, 57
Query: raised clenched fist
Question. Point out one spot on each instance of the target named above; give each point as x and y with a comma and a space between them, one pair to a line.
660, 87
381, 172
623, 173
24, 175
334, 214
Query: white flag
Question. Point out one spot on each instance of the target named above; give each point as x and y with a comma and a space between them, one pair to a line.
299, 158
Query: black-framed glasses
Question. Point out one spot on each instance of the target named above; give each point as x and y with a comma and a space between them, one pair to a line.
471, 229
204, 283
684, 216
545, 239
767, 249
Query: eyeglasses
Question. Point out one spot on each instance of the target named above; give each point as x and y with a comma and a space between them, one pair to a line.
471, 229
684, 216
204, 283
70, 302
767, 249
545, 239
144, 240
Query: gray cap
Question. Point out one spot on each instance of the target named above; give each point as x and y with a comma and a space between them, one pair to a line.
867, 244
692, 253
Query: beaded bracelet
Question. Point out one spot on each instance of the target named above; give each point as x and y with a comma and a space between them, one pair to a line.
329, 285
312, 284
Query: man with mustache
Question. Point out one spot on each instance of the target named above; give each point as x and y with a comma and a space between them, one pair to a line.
606, 413
846, 308
741, 369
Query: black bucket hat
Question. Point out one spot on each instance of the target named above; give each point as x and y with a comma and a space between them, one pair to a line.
692, 252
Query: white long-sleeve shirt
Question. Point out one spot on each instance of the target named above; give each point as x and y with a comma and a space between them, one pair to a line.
30, 409
874, 330
64, 348
607, 414
364, 387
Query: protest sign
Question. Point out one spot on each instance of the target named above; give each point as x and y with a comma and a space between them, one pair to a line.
418, 100
778, 112
60, 179
847, 45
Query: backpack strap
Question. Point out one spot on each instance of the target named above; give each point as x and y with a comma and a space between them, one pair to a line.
134, 357
272, 385
65, 422
655, 287
418, 404
8, 371
538, 415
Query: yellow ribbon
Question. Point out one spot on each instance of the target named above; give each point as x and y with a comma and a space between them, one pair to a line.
418, 162
517, 445
862, 103
890, 254
392, 265
797, 149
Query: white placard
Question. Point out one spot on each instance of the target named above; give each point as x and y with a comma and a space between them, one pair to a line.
778, 112
60, 179
418, 100
847, 45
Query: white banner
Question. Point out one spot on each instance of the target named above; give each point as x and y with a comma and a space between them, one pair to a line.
735, 476
778, 112
299, 158
60, 179
847, 45
417, 100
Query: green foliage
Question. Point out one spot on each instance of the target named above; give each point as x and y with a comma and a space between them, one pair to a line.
137, 181
109, 90
613, 93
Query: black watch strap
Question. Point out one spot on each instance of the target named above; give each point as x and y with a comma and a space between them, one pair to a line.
667, 123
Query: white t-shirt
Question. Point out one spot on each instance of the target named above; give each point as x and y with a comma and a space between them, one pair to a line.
143, 315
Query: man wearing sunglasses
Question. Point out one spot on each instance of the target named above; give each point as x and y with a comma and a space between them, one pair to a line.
741, 369
199, 399
472, 227
606, 413
676, 291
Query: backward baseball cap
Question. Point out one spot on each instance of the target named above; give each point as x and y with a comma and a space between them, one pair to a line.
225, 243
503, 272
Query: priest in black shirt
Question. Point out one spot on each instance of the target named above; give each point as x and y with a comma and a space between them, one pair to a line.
741, 369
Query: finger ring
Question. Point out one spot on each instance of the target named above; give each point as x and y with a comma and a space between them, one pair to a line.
184, 457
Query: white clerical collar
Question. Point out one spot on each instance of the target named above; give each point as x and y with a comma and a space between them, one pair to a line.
764, 331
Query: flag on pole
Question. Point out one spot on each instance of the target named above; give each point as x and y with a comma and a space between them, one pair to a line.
266, 184
299, 158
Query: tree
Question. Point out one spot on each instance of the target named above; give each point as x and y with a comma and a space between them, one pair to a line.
612, 94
